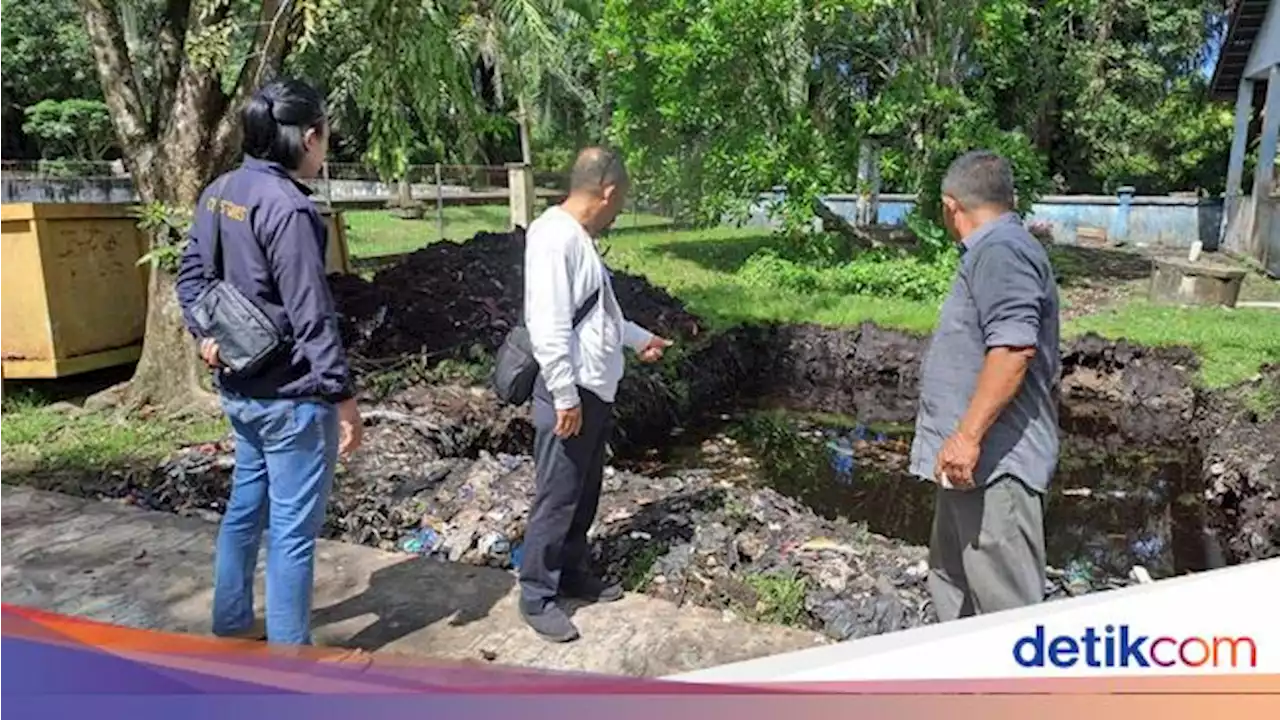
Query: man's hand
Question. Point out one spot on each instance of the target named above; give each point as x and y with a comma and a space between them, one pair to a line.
209, 352
568, 422
653, 351
957, 461
350, 427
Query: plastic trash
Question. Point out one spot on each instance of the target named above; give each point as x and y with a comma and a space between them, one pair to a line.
494, 545
422, 541
1140, 575
517, 554
842, 459
1147, 547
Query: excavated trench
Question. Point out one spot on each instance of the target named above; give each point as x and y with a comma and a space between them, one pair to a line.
1127, 492
747, 455
761, 470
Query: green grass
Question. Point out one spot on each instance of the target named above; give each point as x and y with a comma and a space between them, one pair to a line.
373, 233
640, 567
38, 436
699, 267
1232, 344
1264, 400
779, 597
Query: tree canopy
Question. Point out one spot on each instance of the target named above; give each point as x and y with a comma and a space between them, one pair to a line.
712, 100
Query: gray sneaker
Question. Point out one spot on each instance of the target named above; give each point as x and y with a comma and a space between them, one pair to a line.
551, 623
591, 589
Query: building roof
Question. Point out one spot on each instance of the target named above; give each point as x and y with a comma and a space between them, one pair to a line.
1246, 23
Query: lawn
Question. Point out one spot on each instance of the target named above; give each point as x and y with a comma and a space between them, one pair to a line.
43, 436
374, 233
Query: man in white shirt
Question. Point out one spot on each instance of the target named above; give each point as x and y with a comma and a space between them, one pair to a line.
578, 333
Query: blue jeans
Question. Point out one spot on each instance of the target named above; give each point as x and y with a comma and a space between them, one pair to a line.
286, 452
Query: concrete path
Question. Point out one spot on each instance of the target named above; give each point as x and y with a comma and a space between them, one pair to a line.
119, 564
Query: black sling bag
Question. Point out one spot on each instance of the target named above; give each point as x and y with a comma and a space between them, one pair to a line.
246, 337
515, 370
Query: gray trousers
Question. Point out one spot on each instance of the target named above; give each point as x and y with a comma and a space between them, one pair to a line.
987, 550
566, 496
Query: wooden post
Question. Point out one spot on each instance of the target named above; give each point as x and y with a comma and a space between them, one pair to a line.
439, 203
520, 194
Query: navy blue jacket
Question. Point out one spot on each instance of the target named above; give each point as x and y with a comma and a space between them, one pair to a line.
273, 251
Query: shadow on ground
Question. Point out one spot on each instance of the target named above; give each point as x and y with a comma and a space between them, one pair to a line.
1078, 265
719, 254
414, 594
74, 388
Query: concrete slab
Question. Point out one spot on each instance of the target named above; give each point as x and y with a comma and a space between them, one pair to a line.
119, 564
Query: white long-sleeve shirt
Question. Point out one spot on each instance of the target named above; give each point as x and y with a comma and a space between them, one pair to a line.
561, 269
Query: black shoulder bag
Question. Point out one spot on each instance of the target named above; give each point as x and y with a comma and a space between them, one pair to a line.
246, 337
515, 370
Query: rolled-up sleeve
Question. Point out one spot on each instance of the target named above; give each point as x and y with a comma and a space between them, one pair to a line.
296, 252
1009, 294
635, 337
549, 315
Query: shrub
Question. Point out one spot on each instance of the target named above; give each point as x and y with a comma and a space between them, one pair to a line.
879, 273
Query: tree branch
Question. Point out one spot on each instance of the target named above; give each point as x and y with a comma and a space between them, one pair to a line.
171, 42
270, 43
115, 70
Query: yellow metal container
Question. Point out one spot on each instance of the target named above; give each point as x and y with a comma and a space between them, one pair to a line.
74, 298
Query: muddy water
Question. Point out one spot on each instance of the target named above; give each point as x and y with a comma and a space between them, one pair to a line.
1107, 511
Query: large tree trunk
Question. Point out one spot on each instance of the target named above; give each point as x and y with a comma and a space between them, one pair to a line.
173, 147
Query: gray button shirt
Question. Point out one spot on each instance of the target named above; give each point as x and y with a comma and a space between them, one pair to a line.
1004, 295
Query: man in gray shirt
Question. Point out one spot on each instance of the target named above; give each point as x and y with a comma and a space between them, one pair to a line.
987, 429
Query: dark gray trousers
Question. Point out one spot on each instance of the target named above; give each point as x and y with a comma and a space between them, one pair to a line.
566, 496
987, 552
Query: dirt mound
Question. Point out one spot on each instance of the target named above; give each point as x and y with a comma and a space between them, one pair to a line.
1126, 393
1240, 436
1114, 390
868, 372
448, 298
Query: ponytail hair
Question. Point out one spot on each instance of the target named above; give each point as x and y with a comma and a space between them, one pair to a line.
276, 120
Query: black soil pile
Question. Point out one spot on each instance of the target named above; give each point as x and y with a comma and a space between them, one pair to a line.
446, 299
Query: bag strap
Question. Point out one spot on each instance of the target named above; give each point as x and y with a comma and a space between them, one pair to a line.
578, 316
213, 270
585, 310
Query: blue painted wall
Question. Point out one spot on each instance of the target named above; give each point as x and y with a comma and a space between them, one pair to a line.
1151, 221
